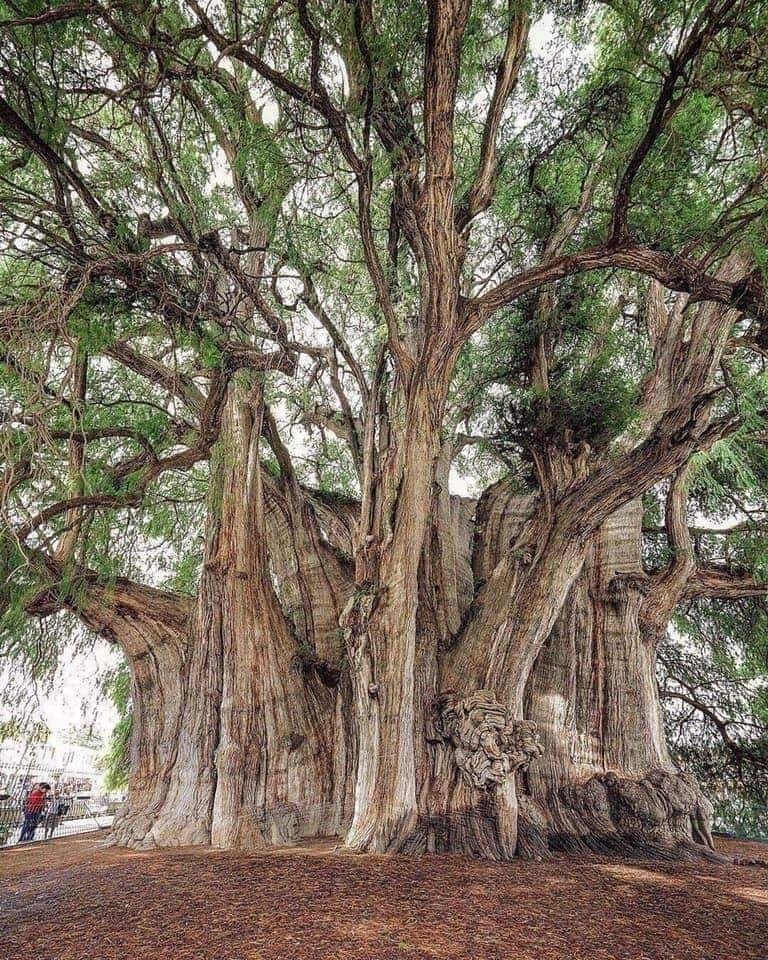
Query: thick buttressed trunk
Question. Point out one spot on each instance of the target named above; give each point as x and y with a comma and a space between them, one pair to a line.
273, 756
390, 666
310, 537
185, 817
524, 560
605, 780
245, 736
251, 738
152, 629
418, 734
594, 773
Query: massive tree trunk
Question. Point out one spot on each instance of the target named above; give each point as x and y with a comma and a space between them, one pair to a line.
255, 725
272, 758
244, 736
525, 558
387, 689
606, 781
152, 628
233, 729
603, 778
432, 678
388, 663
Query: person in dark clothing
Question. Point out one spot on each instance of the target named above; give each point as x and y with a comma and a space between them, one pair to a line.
58, 808
34, 807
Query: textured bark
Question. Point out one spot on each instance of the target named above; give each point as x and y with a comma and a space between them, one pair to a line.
392, 663
185, 816
381, 636
605, 780
313, 581
252, 760
314, 575
152, 629
310, 540
274, 770
241, 740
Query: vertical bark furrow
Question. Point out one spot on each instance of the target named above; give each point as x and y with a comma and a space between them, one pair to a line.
606, 781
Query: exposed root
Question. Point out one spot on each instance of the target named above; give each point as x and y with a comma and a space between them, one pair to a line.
661, 816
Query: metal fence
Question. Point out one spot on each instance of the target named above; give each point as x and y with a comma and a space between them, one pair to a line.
69, 806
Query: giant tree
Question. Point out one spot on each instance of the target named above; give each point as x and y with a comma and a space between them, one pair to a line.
281, 272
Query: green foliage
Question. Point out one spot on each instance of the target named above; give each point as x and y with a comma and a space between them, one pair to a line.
166, 196
714, 676
593, 376
116, 761
713, 667
592, 404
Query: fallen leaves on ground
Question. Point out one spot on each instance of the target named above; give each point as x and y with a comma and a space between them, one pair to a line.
77, 901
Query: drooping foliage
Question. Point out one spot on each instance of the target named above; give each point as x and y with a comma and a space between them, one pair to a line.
553, 215
117, 759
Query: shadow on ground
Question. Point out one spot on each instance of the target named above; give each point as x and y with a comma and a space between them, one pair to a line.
75, 900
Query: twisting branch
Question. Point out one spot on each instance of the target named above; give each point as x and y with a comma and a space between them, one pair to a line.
317, 97
740, 751
669, 583
481, 192
210, 423
23, 133
710, 22
175, 382
682, 274
721, 582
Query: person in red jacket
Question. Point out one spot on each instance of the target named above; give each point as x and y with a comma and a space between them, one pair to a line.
34, 807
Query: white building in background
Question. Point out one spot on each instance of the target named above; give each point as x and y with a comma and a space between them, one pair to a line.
57, 760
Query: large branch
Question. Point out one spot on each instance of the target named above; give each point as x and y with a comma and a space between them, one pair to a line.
740, 751
66, 11
175, 382
683, 578
481, 192
20, 131
720, 582
669, 583
445, 32
210, 425
135, 616
121, 596
679, 273
675, 87
684, 430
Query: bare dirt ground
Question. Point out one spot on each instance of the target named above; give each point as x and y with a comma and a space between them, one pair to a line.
74, 900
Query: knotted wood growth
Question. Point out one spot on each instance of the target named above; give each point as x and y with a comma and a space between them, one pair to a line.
488, 746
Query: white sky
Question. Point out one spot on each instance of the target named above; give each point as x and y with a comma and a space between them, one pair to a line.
75, 699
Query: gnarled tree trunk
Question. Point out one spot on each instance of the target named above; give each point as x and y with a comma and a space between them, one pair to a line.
605, 780
387, 661
233, 731
410, 738
152, 628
